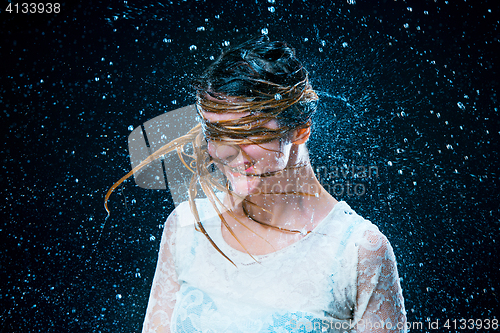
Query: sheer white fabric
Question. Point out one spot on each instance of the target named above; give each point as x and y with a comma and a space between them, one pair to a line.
162, 299
342, 277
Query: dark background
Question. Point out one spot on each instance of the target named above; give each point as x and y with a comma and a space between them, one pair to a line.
408, 86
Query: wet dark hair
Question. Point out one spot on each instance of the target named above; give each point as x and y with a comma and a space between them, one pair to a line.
268, 75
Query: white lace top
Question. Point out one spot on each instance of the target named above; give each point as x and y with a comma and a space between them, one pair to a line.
342, 277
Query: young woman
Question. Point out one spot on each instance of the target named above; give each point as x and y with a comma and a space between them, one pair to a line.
270, 250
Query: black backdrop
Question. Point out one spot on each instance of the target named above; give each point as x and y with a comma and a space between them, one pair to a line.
407, 86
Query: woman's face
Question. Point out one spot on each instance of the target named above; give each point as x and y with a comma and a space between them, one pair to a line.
240, 162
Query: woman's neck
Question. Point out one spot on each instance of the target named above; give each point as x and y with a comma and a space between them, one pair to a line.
296, 191
289, 198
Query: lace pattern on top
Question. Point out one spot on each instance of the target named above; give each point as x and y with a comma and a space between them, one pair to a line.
379, 297
340, 278
162, 298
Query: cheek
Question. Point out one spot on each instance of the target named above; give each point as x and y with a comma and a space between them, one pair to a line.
210, 148
227, 153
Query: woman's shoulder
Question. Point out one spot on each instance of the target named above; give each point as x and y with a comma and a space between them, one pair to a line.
355, 228
182, 214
